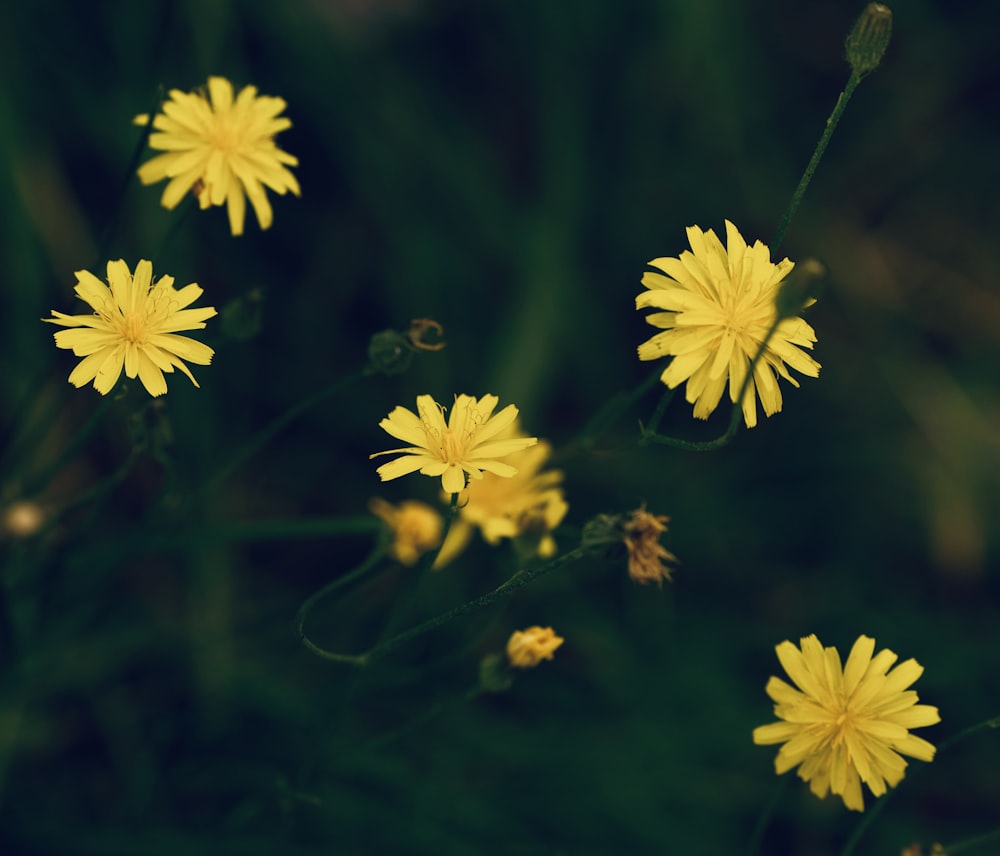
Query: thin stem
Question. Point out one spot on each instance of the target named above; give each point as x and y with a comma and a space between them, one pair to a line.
986, 724
973, 843
765, 816
263, 437
373, 558
80, 437
109, 231
518, 580
817, 155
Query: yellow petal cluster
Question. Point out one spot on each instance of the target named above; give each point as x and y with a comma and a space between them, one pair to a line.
467, 445
222, 148
133, 327
527, 648
528, 505
416, 527
848, 724
717, 304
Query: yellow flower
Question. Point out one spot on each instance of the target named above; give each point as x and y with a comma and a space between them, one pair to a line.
466, 444
221, 148
718, 304
528, 505
646, 554
417, 527
527, 648
134, 325
844, 726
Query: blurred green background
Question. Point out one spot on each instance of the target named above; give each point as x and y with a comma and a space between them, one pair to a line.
505, 168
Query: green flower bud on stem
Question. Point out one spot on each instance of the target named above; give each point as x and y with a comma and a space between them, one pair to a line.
868, 40
799, 288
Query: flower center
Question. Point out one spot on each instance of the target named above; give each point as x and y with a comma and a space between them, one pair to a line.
452, 446
134, 328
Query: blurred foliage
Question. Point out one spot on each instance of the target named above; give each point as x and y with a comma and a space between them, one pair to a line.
506, 169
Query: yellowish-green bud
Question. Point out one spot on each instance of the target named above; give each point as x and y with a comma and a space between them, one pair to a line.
868, 40
799, 289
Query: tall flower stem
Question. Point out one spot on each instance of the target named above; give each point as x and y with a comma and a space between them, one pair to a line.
817, 156
80, 437
973, 843
273, 428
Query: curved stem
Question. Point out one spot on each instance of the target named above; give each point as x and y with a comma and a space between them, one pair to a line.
370, 562
518, 580
973, 843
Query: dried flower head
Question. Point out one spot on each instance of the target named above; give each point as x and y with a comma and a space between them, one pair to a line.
134, 326
222, 149
846, 725
465, 445
646, 555
527, 648
416, 527
718, 304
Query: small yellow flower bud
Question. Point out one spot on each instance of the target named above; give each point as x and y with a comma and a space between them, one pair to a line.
869, 38
527, 648
417, 527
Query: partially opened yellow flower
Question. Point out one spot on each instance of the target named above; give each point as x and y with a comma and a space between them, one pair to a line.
134, 326
526, 506
846, 725
718, 304
527, 648
222, 149
465, 445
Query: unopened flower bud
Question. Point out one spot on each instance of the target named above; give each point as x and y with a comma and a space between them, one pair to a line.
799, 289
869, 38
390, 352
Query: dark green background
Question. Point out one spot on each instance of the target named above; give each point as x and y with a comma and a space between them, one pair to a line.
506, 168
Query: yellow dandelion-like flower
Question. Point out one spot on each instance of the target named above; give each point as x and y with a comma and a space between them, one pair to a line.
134, 326
846, 725
527, 648
528, 505
646, 555
417, 527
221, 148
718, 304
466, 444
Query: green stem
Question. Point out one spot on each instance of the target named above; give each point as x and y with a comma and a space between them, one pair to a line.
518, 580
373, 558
133, 164
800, 191
973, 843
766, 815
262, 438
82, 435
